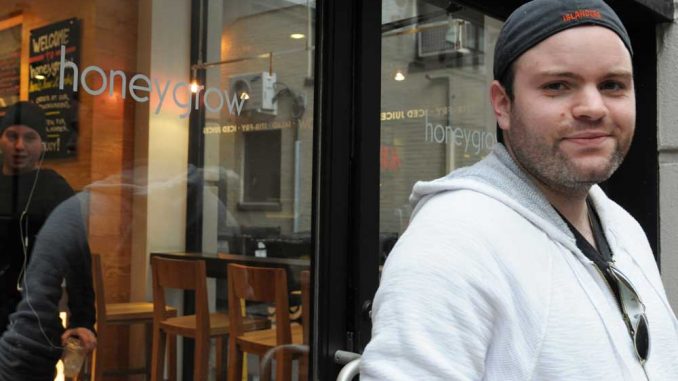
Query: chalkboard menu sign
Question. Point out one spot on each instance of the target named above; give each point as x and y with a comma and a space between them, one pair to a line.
10, 66
43, 84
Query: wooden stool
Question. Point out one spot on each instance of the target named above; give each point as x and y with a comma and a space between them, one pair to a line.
109, 314
266, 285
300, 351
188, 275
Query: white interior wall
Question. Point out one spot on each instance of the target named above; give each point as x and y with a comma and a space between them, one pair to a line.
168, 133
161, 142
161, 139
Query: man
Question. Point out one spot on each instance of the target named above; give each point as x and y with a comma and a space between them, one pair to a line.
30, 347
519, 267
28, 194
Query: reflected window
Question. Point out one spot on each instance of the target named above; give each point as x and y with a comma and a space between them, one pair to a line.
261, 172
435, 114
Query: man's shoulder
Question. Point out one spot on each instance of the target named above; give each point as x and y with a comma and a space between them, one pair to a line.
465, 208
54, 181
52, 175
459, 221
466, 228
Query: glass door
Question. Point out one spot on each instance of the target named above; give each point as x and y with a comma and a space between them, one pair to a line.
418, 70
403, 99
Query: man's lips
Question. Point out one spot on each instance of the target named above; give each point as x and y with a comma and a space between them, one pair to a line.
588, 138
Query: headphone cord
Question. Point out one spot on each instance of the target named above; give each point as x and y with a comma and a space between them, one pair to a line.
24, 246
24, 214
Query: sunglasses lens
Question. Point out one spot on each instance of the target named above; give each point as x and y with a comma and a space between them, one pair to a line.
635, 312
642, 339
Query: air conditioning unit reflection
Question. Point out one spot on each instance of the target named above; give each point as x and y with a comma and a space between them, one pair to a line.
455, 36
257, 90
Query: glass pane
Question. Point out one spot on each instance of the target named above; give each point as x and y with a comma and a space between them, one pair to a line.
96, 174
435, 113
261, 149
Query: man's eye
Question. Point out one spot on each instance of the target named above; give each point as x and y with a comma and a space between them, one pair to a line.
612, 86
555, 86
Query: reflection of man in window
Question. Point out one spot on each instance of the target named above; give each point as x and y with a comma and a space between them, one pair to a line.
520, 267
28, 194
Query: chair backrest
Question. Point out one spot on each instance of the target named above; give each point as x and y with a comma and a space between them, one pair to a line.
98, 280
259, 284
182, 275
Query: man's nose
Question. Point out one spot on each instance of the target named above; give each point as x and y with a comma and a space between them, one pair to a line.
590, 104
19, 144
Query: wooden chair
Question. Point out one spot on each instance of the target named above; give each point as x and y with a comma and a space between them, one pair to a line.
110, 314
300, 351
188, 275
267, 285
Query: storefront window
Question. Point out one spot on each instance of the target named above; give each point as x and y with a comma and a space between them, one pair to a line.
435, 114
115, 96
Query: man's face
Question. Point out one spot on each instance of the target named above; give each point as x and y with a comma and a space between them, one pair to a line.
21, 148
573, 116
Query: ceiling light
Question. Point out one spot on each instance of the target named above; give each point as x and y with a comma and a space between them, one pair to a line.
399, 76
297, 36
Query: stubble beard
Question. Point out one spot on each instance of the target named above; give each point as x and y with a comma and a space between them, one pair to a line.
547, 163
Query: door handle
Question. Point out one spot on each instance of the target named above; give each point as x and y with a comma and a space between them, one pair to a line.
351, 362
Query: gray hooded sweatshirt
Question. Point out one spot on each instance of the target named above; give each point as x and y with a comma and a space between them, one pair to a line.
487, 283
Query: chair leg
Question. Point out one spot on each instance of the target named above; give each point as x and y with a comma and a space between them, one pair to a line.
221, 343
172, 357
201, 358
303, 367
97, 371
158, 358
283, 366
148, 332
234, 361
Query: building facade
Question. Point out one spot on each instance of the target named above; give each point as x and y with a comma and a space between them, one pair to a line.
292, 131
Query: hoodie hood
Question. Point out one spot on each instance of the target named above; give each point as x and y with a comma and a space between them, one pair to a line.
499, 177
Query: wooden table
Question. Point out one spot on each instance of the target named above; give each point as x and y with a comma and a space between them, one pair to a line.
215, 263
216, 267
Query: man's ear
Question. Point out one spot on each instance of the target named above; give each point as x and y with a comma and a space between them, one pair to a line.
501, 105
